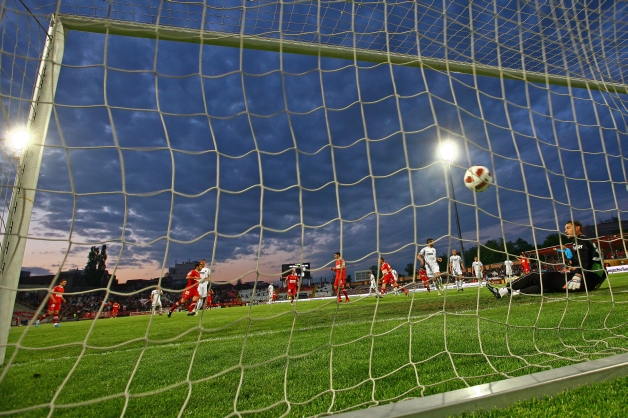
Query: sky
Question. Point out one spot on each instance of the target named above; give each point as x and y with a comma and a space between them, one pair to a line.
169, 151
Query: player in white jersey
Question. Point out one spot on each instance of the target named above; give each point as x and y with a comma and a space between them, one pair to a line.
396, 283
430, 261
373, 288
271, 291
456, 266
478, 269
155, 299
508, 265
203, 284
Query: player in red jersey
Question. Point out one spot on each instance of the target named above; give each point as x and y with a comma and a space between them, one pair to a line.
115, 307
54, 304
525, 263
341, 277
190, 291
293, 283
389, 277
424, 279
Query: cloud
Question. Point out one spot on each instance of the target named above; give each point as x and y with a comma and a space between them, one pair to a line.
252, 159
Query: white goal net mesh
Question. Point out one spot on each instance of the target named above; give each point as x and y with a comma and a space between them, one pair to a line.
258, 133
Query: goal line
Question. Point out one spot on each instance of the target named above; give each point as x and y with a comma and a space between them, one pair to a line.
503, 393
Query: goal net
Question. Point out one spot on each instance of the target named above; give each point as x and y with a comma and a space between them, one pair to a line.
255, 133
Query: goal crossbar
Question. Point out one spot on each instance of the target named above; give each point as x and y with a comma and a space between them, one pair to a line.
178, 34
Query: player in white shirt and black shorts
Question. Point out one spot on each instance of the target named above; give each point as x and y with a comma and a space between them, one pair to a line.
271, 292
478, 269
203, 284
396, 282
155, 299
373, 288
456, 266
508, 265
430, 261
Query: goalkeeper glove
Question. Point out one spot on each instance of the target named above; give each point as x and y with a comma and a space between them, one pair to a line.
574, 283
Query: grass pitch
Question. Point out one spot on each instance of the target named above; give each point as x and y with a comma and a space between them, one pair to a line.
312, 358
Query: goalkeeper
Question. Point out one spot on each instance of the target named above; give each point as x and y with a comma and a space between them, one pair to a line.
586, 272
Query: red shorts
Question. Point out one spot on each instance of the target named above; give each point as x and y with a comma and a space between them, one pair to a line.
389, 278
339, 281
54, 306
190, 293
292, 290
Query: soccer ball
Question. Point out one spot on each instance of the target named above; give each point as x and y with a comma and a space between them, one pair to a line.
477, 178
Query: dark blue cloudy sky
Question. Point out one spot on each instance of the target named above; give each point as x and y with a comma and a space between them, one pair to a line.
171, 151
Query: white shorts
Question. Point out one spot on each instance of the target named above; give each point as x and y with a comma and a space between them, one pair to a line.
478, 275
432, 269
158, 303
202, 289
457, 272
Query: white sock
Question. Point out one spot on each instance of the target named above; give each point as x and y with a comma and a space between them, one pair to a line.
503, 291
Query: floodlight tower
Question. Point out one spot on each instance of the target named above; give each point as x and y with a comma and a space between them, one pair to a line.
447, 154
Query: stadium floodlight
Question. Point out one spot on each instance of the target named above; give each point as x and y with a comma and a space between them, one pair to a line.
447, 153
19, 139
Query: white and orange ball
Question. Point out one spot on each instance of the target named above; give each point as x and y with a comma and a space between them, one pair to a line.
478, 178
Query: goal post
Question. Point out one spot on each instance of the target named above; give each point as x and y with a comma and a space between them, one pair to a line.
23, 194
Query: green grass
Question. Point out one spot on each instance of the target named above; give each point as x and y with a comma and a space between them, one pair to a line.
601, 400
309, 359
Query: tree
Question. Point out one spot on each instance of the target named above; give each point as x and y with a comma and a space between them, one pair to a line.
553, 240
409, 269
493, 251
521, 246
496, 251
102, 259
95, 267
92, 261
442, 264
468, 256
